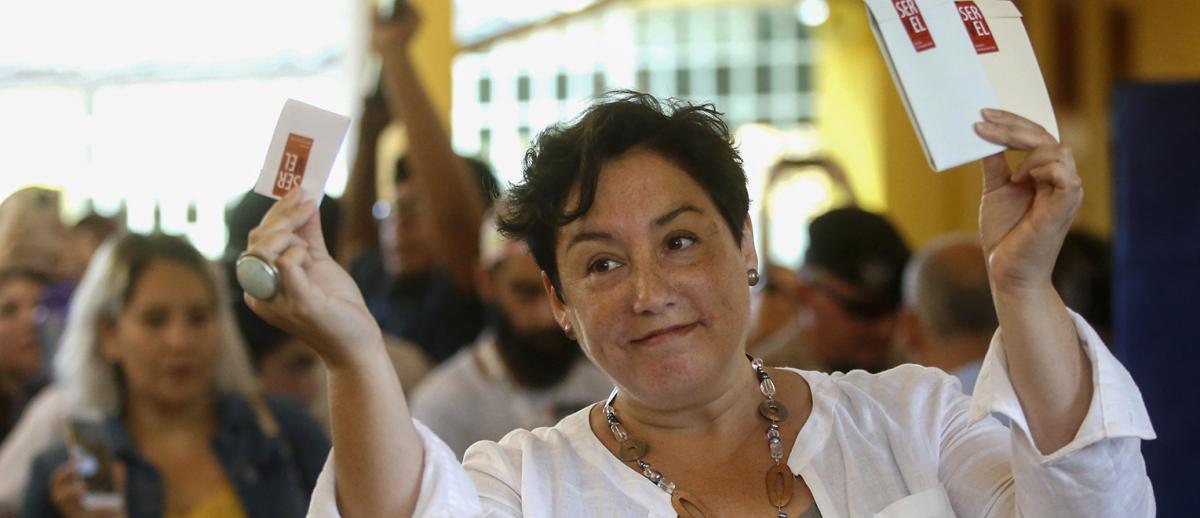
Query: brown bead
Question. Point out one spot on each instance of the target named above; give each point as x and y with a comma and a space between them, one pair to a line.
781, 483
631, 450
686, 505
773, 410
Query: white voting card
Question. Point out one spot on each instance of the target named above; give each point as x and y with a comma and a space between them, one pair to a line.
1009, 61
302, 150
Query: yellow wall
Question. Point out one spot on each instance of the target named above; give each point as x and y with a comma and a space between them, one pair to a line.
848, 104
433, 52
863, 125
1166, 39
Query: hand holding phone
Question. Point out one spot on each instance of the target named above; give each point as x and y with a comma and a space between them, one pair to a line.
90, 482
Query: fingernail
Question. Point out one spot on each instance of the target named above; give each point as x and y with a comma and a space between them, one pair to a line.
985, 126
992, 113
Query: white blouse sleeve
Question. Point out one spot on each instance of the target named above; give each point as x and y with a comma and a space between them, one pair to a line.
1099, 473
446, 490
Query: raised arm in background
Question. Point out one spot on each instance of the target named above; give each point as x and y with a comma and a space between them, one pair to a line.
359, 231
456, 204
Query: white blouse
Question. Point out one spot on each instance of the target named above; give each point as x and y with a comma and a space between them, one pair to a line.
902, 443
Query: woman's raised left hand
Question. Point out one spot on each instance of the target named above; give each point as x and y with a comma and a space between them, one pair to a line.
1025, 212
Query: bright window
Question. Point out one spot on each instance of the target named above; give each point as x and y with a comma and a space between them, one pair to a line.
163, 109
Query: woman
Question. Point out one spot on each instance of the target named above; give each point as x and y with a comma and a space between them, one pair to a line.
152, 345
20, 349
637, 216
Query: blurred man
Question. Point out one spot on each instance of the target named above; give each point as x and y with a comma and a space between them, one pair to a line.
948, 319
419, 280
521, 372
849, 294
410, 283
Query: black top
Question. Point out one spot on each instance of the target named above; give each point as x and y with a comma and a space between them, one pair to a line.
428, 310
11, 409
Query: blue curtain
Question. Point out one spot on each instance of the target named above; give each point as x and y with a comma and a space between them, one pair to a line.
1156, 313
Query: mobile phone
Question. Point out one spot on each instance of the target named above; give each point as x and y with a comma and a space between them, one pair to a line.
92, 454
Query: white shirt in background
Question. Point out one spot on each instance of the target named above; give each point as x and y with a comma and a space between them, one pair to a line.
471, 397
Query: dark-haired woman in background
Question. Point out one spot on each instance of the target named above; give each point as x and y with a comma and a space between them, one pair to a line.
20, 348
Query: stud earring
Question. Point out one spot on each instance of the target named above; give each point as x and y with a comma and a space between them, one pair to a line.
570, 332
752, 276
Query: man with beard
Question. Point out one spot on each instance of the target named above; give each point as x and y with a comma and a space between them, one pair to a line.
522, 371
848, 291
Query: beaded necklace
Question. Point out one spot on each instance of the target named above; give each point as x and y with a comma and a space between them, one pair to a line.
780, 480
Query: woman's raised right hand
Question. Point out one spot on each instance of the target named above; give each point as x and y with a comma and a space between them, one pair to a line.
317, 300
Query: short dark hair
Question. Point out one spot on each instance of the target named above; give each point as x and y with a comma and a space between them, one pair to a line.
488, 186
862, 248
693, 137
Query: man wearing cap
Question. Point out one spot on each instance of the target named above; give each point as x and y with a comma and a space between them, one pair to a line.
849, 294
522, 371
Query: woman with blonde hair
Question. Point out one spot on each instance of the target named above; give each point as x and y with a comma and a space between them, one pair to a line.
32, 235
151, 345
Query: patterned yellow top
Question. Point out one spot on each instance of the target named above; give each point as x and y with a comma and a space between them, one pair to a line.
222, 503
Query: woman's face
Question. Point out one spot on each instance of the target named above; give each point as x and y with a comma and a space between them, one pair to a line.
20, 356
654, 284
166, 339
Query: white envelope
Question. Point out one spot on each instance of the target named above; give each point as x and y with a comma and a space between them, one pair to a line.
1013, 68
945, 85
302, 151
